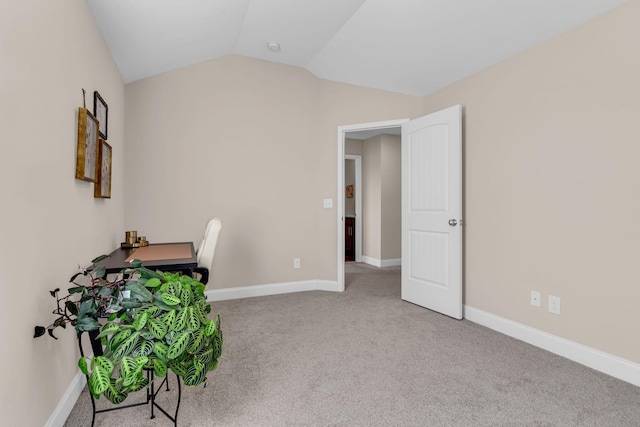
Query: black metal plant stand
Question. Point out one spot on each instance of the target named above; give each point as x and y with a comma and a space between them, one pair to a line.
151, 393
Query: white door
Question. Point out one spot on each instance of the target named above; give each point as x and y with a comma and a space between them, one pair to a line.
432, 211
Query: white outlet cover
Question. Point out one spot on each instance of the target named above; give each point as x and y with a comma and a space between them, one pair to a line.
327, 203
554, 304
535, 298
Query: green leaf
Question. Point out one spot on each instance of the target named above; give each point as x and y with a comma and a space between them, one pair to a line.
181, 320
198, 342
86, 324
178, 368
157, 328
99, 272
161, 350
39, 331
217, 344
128, 370
99, 381
119, 337
159, 368
108, 329
169, 299
179, 345
144, 348
154, 282
150, 274
169, 318
186, 296
142, 383
140, 321
193, 322
205, 356
210, 327
194, 376
82, 364
104, 363
136, 263
126, 347
139, 292
100, 258
76, 289
114, 395
54, 292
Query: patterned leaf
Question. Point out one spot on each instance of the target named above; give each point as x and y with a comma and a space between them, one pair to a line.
142, 383
161, 350
179, 345
198, 342
82, 364
181, 320
205, 356
126, 347
114, 395
140, 321
128, 370
103, 363
169, 299
159, 368
99, 381
144, 348
178, 368
157, 328
194, 375
210, 327
193, 322
217, 344
170, 318
119, 337
186, 296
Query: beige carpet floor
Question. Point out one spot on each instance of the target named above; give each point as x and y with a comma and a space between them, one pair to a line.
366, 358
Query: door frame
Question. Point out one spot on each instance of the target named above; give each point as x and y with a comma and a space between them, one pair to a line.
342, 130
357, 158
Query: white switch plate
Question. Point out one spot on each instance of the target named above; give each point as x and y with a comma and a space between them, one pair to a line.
327, 203
296, 263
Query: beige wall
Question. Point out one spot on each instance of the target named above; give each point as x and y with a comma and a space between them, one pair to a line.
50, 222
371, 197
381, 217
391, 208
255, 143
551, 187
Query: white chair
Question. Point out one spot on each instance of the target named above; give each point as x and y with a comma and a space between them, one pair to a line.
207, 249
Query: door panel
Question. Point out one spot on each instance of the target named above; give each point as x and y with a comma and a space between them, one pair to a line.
432, 196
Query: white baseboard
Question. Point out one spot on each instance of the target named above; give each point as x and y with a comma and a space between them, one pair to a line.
270, 289
68, 401
600, 361
381, 262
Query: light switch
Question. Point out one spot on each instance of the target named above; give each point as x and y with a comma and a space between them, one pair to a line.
327, 203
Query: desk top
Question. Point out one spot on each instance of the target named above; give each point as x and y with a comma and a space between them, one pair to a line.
158, 256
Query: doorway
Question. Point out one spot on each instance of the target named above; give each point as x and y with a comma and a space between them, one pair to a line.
359, 131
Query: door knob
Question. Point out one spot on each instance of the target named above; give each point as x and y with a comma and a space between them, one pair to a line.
453, 222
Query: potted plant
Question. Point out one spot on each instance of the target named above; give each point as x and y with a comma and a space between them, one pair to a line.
154, 320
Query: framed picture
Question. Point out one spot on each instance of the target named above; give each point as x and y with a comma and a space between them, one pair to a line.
101, 112
349, 191
102, 186
87, 153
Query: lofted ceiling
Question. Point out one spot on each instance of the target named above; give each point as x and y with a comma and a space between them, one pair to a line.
408, 46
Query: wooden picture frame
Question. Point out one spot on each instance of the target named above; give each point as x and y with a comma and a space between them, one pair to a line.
87, 151
102, 186
349, 191
101, 112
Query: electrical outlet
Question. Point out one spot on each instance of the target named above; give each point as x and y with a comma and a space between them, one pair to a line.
535, 298
554, 304
296, 263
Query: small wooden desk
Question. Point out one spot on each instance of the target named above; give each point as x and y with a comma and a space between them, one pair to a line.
116, 261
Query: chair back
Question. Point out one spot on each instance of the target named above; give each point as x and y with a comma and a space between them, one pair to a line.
208, 245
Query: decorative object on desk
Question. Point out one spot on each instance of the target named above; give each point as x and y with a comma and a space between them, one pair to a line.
131, 240
101, 112
102, 186
155, 321
87, 151
349, 191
